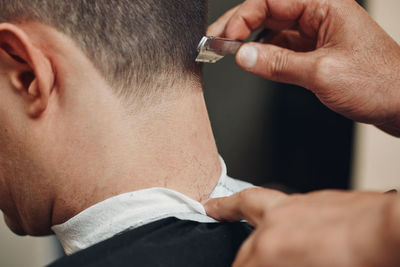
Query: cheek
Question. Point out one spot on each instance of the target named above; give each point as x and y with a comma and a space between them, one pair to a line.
6, 163
9, 155
14, 226
12, 114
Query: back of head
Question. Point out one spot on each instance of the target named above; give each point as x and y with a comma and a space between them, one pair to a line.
141, 47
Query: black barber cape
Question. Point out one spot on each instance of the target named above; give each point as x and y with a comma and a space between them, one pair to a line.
168, 242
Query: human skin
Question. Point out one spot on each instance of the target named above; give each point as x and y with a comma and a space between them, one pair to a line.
331, 47
326, 228
67, 141
337, 51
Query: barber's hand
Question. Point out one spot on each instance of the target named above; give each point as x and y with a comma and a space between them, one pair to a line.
332, 47
327, 228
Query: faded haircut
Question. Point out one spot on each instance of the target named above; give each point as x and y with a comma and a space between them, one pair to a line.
139, 46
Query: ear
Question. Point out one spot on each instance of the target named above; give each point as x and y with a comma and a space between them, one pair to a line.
29, 71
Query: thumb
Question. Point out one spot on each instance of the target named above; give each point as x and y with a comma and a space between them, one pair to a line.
250, 204
276, 63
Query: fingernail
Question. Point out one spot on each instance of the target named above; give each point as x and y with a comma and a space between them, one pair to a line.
247, 56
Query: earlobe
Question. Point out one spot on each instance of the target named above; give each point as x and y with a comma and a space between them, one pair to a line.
30, 71
39, 101
36, 100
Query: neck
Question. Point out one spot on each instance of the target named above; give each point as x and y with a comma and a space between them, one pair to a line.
170, 146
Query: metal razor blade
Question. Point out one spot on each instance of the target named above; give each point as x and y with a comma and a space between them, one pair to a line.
211, 49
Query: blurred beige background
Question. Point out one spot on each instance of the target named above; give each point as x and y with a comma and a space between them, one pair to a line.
377, 165
25, 251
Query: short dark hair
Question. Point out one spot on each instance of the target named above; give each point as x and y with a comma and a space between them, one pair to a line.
133, 43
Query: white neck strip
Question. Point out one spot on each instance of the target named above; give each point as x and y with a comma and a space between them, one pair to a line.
131, 210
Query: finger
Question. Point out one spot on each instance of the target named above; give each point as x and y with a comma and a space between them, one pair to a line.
255, 251
277, 64
293, 40
255, 13
250, 204
279, 25
247, 18
245, 252
393, 191
218, 27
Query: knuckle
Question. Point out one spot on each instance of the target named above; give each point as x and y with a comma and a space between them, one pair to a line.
249, 193
216, 204
278, 63
324, 68
323, 65
319, 10
243, 195
237, 27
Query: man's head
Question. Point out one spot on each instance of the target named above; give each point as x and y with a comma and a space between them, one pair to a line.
67, 71
133, 43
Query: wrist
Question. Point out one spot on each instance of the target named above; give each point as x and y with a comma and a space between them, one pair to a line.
392, 123
392, 126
